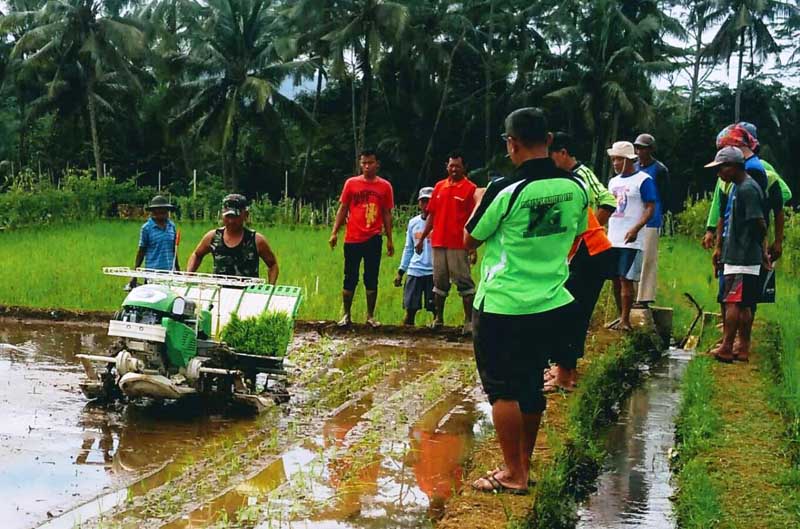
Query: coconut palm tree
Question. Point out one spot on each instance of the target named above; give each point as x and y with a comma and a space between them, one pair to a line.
746, 27
88, 47
236, 72
363, 27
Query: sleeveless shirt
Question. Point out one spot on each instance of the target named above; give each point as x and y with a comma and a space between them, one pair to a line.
241, 260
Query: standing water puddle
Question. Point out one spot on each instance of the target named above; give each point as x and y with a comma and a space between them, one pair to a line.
636, 490
403, 482
68, 460
59, 451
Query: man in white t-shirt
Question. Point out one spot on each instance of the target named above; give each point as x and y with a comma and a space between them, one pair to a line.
636, 198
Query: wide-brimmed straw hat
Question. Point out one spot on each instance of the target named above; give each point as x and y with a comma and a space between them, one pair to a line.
622, 149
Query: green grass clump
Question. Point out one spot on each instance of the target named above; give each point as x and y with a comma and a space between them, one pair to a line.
697, 504
698, 420
268, 334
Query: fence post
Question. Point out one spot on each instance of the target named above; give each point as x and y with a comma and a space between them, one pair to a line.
159, 180
194, 183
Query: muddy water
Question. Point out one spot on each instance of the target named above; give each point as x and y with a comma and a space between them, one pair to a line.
406, 487
316, 484
65, 461
59, 451
635, 490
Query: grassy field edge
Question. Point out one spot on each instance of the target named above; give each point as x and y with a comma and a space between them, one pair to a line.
698, 422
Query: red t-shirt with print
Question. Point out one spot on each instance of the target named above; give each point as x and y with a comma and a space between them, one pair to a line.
366, 200
451, 205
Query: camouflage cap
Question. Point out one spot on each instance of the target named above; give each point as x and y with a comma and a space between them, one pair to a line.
234, 205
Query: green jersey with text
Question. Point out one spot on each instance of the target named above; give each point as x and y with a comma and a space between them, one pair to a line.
528, 222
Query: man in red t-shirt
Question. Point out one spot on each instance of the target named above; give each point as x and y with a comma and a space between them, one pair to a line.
448, 211
367, 202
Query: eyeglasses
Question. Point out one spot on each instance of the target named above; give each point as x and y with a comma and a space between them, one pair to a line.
505, 137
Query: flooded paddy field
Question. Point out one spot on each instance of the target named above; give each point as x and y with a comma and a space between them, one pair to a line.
376, 435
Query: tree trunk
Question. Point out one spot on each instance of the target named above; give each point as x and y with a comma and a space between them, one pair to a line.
426, 159
187, 163
487, 101
353, 115
22, 151
695, 89
738, 105
317, 96
366, 88
233, 162
98, 161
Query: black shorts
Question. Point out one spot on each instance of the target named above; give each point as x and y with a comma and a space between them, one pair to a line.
370, 252
587, 275
511, 353
418, 291
742, 289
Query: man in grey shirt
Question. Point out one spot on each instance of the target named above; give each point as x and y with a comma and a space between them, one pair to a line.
743, 253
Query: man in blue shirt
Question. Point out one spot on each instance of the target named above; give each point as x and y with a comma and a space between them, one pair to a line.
157, 239
645, 145
418, 290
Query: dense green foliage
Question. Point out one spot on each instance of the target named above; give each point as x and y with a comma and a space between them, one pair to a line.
242, 91
268, 334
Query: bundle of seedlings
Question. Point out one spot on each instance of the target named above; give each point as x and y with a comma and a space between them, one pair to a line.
268, 334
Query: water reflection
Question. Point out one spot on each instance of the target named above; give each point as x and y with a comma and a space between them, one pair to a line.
635, 491
59, 451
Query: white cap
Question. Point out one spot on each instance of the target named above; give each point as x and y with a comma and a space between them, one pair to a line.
425, 192
623, 149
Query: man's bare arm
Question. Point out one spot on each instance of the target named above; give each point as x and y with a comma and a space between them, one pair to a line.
266, 254
341, 215
139, 257
203, 249
427, 231
470, 242
649, 209
387, 228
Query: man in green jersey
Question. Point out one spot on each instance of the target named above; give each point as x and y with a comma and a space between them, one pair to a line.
528, 222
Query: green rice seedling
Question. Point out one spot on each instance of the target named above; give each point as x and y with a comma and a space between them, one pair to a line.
63, 264
268, 334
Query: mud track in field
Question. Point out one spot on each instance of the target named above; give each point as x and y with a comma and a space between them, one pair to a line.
375, 435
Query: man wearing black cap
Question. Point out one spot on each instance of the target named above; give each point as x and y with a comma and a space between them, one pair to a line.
235, 249
158, 239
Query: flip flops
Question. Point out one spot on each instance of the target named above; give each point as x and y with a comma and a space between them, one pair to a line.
531, 481
495, 487
551, 386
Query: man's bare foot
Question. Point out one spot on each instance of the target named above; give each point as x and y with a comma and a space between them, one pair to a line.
742, 352
492, 484
723, 355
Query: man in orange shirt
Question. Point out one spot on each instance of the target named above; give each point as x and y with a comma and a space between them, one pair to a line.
366, 206
448, 212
